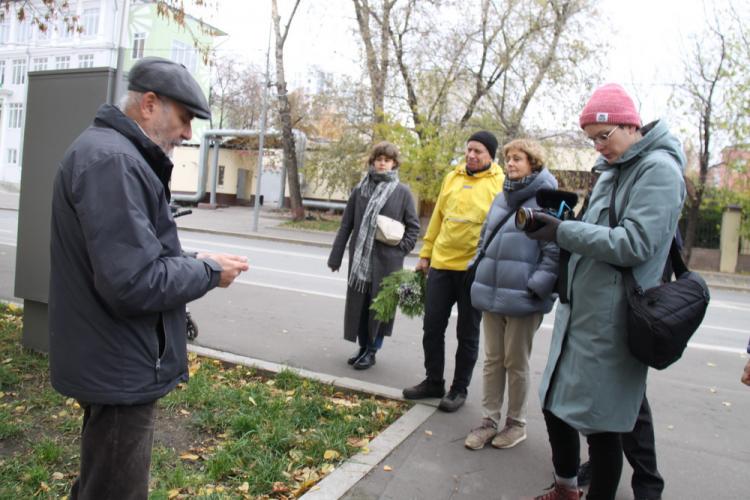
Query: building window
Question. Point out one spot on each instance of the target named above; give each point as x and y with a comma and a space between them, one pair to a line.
90, 22
64, 30
12, 156
139, 42
24, 32
5, 30
184, 54
39, 64
15, 115
221, 175
62, 62
2, 73
19, 72
86, 61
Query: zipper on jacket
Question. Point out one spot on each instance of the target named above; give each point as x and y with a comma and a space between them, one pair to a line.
161, 333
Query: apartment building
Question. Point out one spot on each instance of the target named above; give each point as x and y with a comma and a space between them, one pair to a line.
25, 48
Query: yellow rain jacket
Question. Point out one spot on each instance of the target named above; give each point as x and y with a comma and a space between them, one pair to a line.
462, 205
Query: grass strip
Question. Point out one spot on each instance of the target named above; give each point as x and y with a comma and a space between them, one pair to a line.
230, 433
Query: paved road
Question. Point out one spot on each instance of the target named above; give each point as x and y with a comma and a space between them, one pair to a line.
288, 308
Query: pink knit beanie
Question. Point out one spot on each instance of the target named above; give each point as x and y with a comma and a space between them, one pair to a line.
610, 104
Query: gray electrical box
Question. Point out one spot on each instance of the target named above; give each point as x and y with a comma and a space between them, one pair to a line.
60, 105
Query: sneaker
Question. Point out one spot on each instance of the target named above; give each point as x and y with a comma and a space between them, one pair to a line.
584, 474
513, 433
425, 389
482, 435
559, 492
452, 401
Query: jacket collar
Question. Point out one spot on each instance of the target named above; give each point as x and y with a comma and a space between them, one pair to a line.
111, 117
490, 172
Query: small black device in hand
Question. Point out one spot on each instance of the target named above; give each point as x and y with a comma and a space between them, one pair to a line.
552, 202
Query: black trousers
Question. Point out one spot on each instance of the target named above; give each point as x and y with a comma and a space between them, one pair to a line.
605, 452
445, 288
116, 443
640, 450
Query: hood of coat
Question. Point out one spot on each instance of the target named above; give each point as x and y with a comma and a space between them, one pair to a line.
111, 117
544, 180
492, 171
656, 136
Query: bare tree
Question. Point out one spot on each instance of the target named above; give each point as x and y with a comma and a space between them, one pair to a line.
377, 48
236, 93
285, 113
704, 74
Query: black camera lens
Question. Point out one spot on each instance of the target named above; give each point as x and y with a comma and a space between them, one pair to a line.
525, 220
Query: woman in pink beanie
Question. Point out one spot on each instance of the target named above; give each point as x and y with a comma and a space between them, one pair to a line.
592, 384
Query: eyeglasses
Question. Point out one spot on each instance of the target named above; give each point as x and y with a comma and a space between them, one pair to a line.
601, 139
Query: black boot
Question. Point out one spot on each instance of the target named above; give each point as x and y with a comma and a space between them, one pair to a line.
365, 361
426, 389
356, 356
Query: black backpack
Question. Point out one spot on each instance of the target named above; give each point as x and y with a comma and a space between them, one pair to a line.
662, 319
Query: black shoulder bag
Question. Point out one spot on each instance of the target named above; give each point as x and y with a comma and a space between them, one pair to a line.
662, 319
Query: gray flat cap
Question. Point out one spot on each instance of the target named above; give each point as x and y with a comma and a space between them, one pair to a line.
169, 79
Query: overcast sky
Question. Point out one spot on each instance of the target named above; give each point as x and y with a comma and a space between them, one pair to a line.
648, 38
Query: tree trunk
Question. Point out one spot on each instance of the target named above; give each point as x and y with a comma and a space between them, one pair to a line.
285, 115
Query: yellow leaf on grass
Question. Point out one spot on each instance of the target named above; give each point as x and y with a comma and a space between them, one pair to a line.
357, 442
279, 487
173, 493
327, 469
189, 456
331, 455
44, 486
387, 468
244, 487
57, 476
344, 402
252, 401
184, 412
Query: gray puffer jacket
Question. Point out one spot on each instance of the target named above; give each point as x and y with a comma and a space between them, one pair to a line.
517, 275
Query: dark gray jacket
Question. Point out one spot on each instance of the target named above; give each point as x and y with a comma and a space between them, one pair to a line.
517, 275
386, 259
119, 281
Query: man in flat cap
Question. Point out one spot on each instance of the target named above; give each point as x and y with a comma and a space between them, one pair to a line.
119, 278
450, 243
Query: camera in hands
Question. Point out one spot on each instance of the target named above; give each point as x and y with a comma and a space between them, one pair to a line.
558, 204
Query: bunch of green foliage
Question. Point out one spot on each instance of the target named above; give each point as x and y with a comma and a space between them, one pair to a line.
405, 290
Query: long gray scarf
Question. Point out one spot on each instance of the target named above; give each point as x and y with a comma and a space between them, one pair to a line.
377, 187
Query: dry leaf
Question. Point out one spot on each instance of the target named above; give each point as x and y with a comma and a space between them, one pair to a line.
357, 442
189, 456
279, 487
429, 433
44, 486
387, 468
252, 401
57, 476
331, 455
726, 403
173, 493
244, 487
327, 469
184, 412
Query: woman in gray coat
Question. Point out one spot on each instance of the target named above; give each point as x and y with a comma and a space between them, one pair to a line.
379, 193
514, 287
592, 383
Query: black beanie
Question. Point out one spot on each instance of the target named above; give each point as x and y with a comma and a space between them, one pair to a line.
488, 139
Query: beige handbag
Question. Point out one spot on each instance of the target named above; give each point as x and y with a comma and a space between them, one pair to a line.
388, 231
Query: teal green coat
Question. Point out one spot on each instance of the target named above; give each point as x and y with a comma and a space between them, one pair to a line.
591, 381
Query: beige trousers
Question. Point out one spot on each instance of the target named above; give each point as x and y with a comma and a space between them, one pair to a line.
507, 347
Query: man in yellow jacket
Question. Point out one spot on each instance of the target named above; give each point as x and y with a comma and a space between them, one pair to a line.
449, 245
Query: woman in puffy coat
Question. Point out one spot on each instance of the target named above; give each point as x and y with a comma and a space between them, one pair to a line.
379, 193
514, 287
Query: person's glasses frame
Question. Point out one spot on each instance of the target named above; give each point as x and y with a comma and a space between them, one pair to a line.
603, 138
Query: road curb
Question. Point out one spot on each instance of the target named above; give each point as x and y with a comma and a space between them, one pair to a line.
344, 477
257, 236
